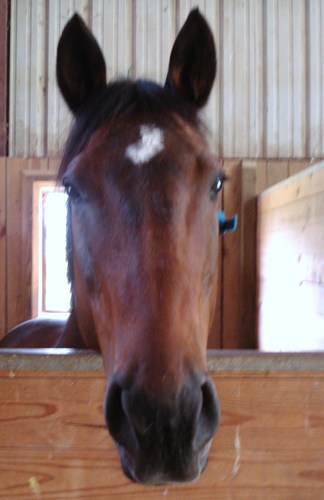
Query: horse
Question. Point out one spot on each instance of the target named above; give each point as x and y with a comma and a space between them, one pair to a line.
142, 236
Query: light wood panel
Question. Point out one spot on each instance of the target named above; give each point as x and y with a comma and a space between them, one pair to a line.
17, 282
249, 256
3, 240
267, 100
291, 263
54, 444
4, 7
232, 260
19, 174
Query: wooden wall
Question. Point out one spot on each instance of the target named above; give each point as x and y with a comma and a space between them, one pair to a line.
291, 263
237, 311
267, 100
235, 322
16, 178
270, 443
4, 37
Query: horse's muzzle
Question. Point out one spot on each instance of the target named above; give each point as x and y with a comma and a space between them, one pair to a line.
163, 438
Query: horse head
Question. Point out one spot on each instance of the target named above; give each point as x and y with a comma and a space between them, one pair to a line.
143, 233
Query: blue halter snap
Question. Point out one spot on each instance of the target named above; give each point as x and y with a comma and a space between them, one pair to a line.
226, 225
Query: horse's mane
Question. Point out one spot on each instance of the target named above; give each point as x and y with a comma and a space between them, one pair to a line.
121, 98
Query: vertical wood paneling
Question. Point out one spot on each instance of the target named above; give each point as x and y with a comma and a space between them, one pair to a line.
3, 75
54, 103
124, 37
291, 263
211, 113
272, 75
285, 76
315, 77
268, 98
16, 229
3, 237
112, 24
17, 298
232, 262
241, 33
299, 79
255, 140
13, 88
153, 38
228, 79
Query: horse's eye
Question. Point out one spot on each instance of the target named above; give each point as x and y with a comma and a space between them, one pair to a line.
217, 186
71, 191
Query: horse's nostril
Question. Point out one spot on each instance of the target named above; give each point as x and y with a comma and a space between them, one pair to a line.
209, 415
117, 420
165, 438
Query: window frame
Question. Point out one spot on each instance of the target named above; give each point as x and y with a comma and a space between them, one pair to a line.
40, 188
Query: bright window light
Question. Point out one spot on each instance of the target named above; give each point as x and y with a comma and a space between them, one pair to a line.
53, 288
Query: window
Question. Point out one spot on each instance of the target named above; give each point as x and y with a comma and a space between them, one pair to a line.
51, 291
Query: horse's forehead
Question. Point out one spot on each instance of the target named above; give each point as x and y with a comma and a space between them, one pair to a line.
172, 145
149, 144
140, 140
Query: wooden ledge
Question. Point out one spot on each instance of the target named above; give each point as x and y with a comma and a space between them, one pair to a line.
218, 361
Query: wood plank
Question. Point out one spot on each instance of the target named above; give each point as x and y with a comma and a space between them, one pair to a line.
261, 176
62, 474
291, 264
21, 174
249, 321
215, 336
18, 306
296, 166
297, 213
299, 84
307, 239
37, 163
56, 409
3, 238
54, 445
3, 75
232, 261
53, 164
277, 170
249, 254
306, 183
297, 324
303, 267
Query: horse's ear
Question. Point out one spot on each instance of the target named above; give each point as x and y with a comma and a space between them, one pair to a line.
80, 64
192, 66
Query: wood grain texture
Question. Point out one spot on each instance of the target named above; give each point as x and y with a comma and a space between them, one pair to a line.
20, 175
17, 286
277, 170
232, 260
54, 444
291, 263
215, 335
4, 8
300, 186
3, 238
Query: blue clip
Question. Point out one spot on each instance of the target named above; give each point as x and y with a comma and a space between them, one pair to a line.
226, 225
